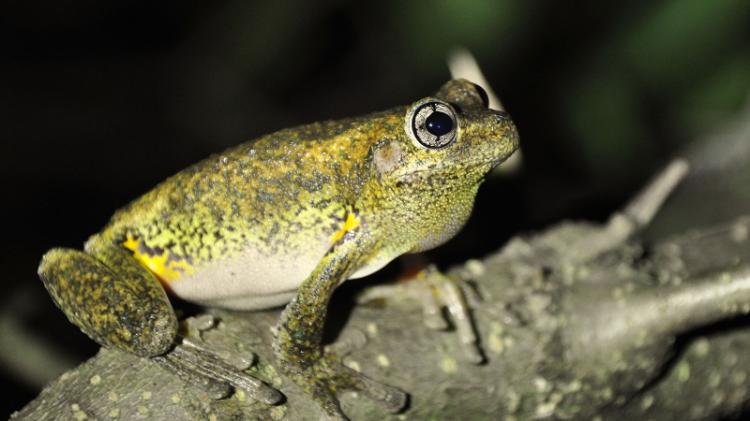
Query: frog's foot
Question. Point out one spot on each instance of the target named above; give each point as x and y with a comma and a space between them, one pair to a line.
215, 370
436, 291
326, 377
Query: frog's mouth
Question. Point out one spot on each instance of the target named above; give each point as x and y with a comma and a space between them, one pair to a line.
497, 161
465, 168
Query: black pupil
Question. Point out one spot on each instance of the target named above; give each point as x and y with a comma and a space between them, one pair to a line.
439, 123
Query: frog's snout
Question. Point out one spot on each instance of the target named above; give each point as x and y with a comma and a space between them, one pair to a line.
508, 134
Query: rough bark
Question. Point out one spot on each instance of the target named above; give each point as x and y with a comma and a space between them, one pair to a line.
617, 336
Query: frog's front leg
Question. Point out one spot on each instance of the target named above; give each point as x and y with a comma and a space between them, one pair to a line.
299, 334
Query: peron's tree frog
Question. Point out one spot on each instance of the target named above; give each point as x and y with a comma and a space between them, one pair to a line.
283, 220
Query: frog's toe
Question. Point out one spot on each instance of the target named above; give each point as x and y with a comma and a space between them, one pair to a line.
216, 370
451, 293
350, 341
392, 399
436, 291
185, 366
192, 329
324, 380
329, 376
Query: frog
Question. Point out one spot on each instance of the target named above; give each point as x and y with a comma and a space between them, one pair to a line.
283, 220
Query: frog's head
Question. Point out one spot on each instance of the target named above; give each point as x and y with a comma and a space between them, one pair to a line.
451, 136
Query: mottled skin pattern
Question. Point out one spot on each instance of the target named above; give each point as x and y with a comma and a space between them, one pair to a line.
302, 209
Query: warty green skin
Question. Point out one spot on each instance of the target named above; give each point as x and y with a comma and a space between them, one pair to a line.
290, 215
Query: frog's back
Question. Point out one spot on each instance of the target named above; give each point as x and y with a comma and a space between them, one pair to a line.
242, 229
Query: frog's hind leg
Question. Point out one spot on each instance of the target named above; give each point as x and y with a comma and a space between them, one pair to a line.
120, 304
111, 298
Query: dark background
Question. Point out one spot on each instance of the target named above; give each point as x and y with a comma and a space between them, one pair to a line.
99, 101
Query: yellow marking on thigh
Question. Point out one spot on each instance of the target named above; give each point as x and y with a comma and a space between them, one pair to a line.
351, 223
166, 269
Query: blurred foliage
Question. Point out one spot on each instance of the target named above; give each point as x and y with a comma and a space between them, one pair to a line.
99, 101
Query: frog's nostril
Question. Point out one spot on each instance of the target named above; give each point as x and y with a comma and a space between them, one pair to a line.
500, 115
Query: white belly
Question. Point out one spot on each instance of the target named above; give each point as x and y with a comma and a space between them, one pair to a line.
254, 281
247, 282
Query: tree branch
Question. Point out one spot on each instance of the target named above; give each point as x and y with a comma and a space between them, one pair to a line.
563, 338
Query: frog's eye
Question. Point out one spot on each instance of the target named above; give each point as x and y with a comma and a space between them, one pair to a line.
433, 124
